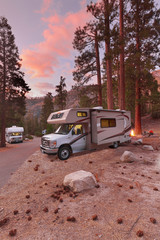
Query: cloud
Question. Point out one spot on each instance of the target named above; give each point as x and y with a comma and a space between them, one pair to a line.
45, 6
40, 89
43, 59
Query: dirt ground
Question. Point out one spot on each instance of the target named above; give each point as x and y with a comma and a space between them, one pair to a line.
125, 206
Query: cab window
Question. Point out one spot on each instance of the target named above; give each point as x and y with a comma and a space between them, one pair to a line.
77, 129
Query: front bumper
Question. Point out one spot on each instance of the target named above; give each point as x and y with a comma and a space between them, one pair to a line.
48, 150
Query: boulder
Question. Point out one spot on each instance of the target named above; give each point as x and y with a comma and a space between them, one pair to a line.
148, 147
128, 157
138, 142
80, 180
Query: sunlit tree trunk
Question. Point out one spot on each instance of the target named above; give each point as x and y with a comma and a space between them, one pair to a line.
108, 57
98, 71
3, 112
138, 129
122, 75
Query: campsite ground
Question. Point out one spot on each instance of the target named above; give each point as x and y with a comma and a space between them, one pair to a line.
126, 204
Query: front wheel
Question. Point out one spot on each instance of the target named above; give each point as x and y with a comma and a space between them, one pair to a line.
64, 153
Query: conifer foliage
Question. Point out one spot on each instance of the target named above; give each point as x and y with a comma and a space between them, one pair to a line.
12, 85
61, 96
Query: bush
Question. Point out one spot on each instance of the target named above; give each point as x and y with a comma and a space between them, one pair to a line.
28, 136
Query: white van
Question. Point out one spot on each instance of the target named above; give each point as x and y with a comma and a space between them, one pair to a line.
85, 128
14, 134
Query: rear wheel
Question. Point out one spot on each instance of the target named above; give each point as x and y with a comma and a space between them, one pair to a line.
115, 145
64, 153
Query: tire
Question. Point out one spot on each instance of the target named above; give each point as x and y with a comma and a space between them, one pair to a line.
115, 145
64, 153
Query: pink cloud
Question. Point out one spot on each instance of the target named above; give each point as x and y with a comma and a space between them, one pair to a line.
45, 6
42, 59
38, 64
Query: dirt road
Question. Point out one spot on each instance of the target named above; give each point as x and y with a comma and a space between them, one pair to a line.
12, 157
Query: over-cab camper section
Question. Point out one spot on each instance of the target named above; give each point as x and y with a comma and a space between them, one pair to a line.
69, 116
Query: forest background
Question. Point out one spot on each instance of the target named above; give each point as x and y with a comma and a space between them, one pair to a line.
118, 48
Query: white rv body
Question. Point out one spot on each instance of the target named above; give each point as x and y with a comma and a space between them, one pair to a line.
86, 128
14, 134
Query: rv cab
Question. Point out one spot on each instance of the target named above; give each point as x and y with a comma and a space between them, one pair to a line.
67, 139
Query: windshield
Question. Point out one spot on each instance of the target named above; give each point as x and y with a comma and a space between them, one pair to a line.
16, 134
64, 129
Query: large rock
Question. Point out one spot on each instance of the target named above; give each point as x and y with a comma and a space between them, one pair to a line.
148, 147
128, 157
79, 181
138, 142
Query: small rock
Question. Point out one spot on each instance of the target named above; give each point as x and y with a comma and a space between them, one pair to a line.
138, 142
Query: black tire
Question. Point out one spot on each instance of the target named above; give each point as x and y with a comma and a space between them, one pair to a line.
64, 153
115, 145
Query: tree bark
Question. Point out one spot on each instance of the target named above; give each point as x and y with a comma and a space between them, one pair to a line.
3, 113
108, 57
122, 75
98, 71
138, 129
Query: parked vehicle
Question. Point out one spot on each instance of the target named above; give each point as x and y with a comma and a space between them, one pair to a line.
14, 134
86, 128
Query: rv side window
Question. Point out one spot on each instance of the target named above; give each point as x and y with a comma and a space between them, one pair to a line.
108, 122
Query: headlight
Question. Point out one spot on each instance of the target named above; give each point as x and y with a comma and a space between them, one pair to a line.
53, 144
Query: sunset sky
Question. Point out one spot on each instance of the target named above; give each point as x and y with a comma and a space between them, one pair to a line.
44, 31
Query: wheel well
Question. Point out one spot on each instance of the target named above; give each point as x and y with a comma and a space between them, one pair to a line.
66, 145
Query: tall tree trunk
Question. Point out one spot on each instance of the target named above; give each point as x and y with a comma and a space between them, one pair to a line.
98, 71
122, 75
108, 57
3, 113
138, 129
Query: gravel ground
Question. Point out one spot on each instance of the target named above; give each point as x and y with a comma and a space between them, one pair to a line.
35, 206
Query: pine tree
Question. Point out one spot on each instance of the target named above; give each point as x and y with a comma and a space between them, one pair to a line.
105, 13
12, 85
47, 109
61, 97
122, 70
87, 64
143, 52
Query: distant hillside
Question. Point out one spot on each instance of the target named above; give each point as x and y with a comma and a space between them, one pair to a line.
34, 105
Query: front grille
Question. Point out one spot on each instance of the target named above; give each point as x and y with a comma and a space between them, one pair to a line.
45, 142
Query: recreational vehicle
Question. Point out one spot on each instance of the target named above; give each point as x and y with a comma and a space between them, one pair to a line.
14, 134
85, 128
